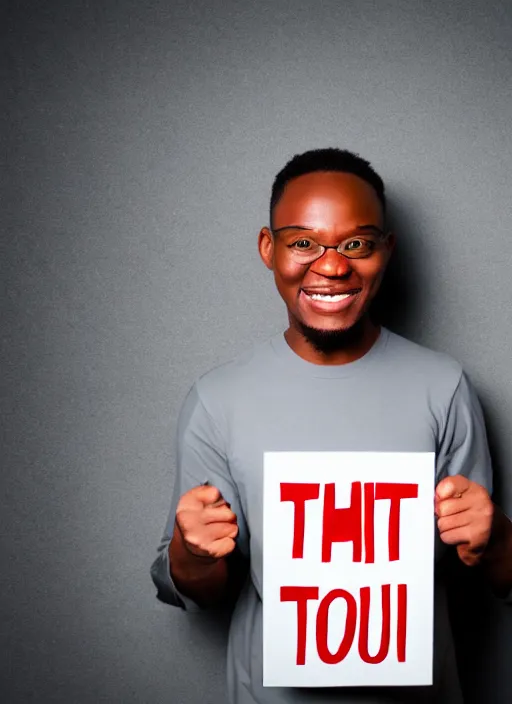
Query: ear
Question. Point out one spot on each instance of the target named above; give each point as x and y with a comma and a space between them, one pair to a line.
266, 247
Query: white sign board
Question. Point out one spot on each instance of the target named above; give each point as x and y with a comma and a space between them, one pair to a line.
348, 567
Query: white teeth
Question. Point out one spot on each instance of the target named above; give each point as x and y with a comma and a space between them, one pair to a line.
329, 298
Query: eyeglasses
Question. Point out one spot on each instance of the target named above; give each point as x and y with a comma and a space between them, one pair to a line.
305, 250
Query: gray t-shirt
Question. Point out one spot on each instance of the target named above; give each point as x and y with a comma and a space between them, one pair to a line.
399, 397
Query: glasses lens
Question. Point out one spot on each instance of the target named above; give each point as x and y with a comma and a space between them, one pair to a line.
360, 247
305, 250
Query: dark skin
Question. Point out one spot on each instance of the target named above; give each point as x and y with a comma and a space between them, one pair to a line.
334, 206
328, 207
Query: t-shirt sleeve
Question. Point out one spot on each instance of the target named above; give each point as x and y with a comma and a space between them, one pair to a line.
200, 457
463, 448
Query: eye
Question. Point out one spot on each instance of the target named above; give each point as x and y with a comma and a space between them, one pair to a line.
303, 245
354, 244
360, 245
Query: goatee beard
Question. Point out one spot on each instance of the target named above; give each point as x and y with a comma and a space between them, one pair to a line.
328, 341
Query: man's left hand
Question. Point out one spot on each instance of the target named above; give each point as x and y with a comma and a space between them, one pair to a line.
465, 515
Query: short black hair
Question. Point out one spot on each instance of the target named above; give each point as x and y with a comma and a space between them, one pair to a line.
330, 159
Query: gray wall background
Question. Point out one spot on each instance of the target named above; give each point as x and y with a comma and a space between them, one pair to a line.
141, 139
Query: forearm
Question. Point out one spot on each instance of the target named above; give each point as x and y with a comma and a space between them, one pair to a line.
202, 580
497, 558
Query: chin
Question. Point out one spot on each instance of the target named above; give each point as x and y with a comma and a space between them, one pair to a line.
329, 325
333, 339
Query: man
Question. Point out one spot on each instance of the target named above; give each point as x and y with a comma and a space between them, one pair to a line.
335, 381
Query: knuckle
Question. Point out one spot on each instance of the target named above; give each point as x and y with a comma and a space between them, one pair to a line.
442, 509
488, 510
181, 520
471, 535
443, 525
224, 549
229, 546
182, 504
228, 530
194, 539
446, 538
226, 515
186, 521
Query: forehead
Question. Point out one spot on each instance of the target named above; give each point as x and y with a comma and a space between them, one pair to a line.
328, 200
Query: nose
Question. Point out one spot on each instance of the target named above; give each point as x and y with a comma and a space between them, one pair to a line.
332, 264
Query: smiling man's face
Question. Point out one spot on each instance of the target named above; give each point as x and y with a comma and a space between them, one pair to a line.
332, 293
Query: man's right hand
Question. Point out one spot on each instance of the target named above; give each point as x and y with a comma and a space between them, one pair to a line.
206, 524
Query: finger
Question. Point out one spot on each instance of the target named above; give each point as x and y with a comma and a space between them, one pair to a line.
220, 502
459, 520
449, 507
457, 536
202, 540
217, 514
223, 547
450, 487
218, 531
192, 522
201, 496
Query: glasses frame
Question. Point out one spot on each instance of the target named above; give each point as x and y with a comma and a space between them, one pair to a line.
383, 236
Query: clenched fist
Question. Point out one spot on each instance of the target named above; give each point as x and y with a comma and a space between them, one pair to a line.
206, 523
465, 516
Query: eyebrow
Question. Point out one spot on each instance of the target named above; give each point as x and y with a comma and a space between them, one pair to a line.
312, 229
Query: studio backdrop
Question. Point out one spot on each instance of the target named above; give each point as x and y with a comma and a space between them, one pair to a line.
141, 140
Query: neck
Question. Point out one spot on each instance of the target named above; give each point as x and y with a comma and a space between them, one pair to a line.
343, 349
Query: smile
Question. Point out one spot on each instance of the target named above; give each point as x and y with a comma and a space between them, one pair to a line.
330, 297
328, 303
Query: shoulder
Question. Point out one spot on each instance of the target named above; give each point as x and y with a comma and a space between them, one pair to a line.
433, 378
424, 373
228, 380
424, 361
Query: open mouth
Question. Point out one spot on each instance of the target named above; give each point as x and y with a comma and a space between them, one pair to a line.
329, 302
329, 297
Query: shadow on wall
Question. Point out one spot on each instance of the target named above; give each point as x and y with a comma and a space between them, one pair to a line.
396, 306
477, 617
